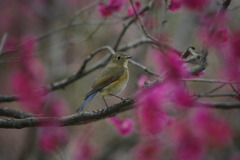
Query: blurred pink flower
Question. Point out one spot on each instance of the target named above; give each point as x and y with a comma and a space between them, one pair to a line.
130, 10
186, 146
109, 8
141, 81
151, 118
212, 30
26, 90
83, 149
231, 57
170, 63
196, 4
123, 126
147, 149
28, 80
210, 129
180, 96
50, 138
175, 5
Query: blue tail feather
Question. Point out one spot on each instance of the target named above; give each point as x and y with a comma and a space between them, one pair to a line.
86, 101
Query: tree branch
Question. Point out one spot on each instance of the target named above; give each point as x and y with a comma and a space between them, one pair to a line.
6, 112
74, 119
88, 117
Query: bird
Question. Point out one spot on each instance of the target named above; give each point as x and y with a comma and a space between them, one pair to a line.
111, 81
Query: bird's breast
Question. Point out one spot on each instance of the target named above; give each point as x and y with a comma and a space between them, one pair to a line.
116, 86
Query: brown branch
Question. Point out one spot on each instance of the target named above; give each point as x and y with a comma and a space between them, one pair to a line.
74, 119
88, 117
6, 112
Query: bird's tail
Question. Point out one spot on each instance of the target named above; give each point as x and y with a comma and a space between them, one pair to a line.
86, 101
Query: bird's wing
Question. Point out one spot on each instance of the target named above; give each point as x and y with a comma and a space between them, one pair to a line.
107, 76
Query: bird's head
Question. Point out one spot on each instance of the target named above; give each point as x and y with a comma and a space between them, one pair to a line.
120, 58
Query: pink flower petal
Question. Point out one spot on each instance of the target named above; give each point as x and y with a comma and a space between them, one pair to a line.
151, 118
211, 129
109, 8
141, 81
170, 63
83, 149
175, 5
196, 4
130, 10
148, 149
50, 138
123, 126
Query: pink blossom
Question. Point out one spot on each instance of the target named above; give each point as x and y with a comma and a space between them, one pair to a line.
196, 4
147, 149
180, 96
231, 57
83, 149
212, 30
123, 126
28, 81
130, 10
186, 145
30, 98
109, 8
50, 138
210, 129
170, 63
175, 5
151, 118
141, 81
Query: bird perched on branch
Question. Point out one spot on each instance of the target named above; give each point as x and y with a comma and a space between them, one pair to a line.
111, 81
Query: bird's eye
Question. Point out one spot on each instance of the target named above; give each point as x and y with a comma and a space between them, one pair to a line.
118, 57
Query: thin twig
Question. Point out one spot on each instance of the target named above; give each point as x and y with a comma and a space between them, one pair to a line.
209, 80
4, 38
144, 9
141, 24
216, 95
213, 89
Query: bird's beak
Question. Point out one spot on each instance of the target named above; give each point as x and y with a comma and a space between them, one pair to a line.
128, 57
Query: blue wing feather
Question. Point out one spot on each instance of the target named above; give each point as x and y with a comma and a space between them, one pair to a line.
86, 101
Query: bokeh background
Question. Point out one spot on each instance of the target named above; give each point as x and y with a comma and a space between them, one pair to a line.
67, 31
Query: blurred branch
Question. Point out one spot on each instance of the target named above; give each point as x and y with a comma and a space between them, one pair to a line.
141, 24
7, 98
88, 117
74, 119
4, 37
81, 72
126, 26
144, 68
164, 15
136, 43
6, 112
225, 4
210, 80
216, 95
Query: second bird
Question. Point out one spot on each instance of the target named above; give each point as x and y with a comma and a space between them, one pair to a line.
111, 81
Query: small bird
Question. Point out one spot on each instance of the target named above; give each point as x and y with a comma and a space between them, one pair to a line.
111, 81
